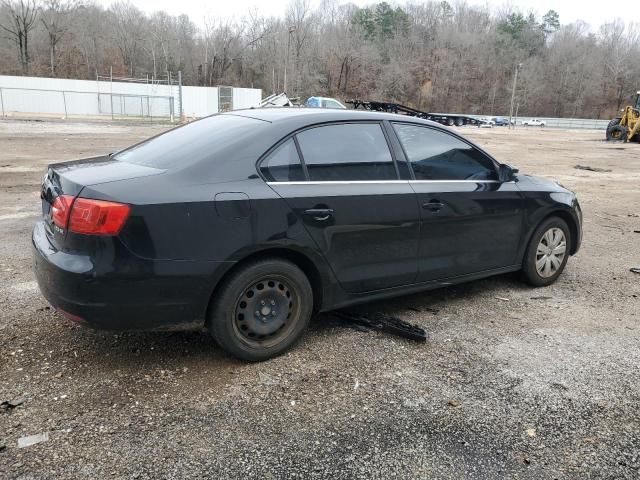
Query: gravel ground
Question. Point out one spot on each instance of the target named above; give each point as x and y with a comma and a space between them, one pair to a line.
513, 382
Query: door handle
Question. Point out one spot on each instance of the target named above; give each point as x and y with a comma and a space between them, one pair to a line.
433, 205
320, 214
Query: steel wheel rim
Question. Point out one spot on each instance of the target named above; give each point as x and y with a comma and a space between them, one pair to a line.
551, 251
265, 312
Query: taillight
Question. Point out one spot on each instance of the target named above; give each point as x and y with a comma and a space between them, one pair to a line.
60, 210
97, 217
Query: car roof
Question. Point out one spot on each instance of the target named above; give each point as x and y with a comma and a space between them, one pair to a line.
300, 117
268, 126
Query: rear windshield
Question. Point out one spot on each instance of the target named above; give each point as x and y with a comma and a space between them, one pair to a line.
191, 143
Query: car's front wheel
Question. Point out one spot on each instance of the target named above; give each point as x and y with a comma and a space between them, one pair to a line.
547, 252
262, 309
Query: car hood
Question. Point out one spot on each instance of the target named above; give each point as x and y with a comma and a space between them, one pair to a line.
531, 182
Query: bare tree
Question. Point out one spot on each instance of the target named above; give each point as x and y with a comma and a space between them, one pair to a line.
299, 27
55, 17
438, 55
127, 32
22, 18
162, 37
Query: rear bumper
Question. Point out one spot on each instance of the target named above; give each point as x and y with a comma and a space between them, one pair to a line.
115, 290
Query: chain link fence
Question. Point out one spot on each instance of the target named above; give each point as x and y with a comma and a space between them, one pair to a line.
35, 102
22, 102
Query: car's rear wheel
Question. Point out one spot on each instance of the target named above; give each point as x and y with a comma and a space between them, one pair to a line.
262, 309
547, 252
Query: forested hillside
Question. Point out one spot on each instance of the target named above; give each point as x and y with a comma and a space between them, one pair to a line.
434, 55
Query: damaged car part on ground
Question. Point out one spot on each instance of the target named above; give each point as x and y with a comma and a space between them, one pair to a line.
247, 223
385, 323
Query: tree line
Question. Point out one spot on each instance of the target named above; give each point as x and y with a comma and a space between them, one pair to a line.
433, 55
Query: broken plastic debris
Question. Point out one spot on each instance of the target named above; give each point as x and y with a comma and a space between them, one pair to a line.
266, 379
591, 169
9, 404
33, 439
16, 402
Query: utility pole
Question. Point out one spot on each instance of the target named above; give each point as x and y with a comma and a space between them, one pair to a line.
292, 29
513, 93
181, 112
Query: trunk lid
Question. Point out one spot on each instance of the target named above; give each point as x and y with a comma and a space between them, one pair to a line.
69, 178
93, 171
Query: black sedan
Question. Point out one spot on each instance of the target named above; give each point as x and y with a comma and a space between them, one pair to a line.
247, 223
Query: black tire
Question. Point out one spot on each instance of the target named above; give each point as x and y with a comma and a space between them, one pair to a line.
282, 288
530, 273
459, 122
450, 122
617, 133
614, 122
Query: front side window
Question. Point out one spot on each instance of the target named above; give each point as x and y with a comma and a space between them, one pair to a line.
352, 151
436, 155
202, 140
283, 164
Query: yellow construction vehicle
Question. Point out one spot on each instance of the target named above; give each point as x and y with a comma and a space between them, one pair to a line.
627, 127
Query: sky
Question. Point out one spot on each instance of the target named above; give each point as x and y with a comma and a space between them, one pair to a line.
593, 12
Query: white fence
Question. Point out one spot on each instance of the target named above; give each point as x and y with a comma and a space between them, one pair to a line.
70, 103
20, 96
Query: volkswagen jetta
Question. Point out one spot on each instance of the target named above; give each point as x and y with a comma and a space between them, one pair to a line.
247, 223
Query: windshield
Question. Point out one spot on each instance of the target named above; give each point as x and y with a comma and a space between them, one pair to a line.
191, 143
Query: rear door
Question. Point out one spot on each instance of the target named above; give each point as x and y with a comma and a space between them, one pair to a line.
470, 222
348, 195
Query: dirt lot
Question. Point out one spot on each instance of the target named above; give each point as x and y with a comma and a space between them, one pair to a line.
513, 382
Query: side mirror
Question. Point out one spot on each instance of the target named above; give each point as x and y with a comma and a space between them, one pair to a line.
507, 173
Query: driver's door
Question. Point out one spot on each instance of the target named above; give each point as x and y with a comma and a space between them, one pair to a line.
470, 222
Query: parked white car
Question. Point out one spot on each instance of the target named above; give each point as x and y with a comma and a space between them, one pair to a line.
534, 122
486, 122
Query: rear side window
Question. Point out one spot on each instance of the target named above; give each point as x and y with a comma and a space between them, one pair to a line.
197, 141
283, 164
436, 155
353, 151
